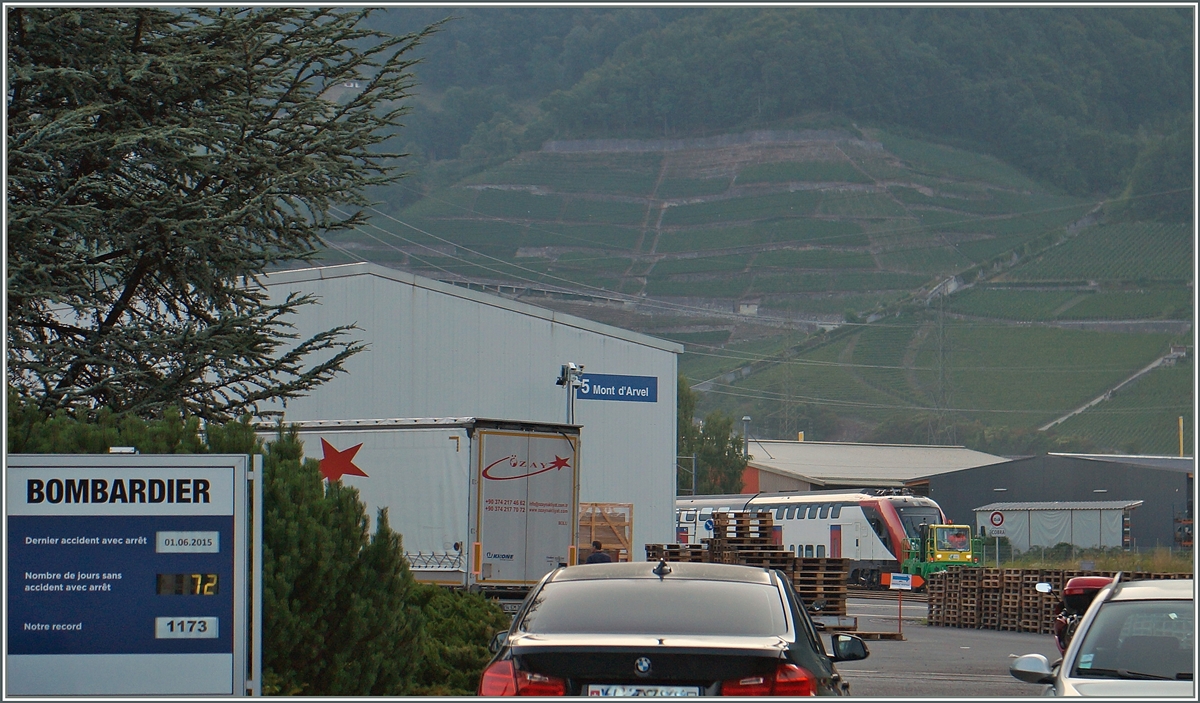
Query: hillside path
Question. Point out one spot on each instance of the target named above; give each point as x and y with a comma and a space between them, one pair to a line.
1108, 393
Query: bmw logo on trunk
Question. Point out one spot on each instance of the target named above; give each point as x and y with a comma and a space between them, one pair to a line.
642, 666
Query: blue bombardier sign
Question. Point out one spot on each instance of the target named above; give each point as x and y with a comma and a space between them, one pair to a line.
126, 575
637, 389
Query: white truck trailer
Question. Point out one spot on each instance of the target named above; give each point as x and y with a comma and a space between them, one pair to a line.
488, 505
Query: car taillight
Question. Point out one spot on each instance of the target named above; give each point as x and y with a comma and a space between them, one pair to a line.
789, 680
497, 680
500, 679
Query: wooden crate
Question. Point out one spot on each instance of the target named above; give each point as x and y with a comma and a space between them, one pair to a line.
611, 524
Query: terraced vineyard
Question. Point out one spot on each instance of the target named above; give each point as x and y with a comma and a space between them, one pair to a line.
739, 246
1001, 375
782, 218
1074, 304
1124, 252
1143, 418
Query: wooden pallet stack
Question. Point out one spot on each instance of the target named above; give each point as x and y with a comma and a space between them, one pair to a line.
1031, 601
747, 538
935, 586
1049, 603
750, 529
1010, 601
952, 614
969, 580
1006, 599
821, 579
677, 552
990, 586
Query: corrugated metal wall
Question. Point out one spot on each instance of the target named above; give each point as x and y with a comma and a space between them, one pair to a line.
437, 350
1047, 478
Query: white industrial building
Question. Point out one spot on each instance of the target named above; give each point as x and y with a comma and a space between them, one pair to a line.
1087, 524
786, 465
439, 350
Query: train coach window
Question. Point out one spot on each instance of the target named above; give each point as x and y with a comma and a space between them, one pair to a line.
808, 550
812, 512
779, 513
791, 513
705, 514
824, 511
837, 510
820, 551
791, 547
689, 516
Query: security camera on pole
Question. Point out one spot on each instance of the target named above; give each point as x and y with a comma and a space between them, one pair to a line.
570, 377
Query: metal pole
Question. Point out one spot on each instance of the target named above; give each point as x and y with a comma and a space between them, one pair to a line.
260, 487
693, 473
997, 551
900, 613
746, 436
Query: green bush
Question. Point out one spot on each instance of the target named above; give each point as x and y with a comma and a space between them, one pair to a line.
458, 626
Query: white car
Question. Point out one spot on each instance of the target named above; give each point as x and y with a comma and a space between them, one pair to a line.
1136, 639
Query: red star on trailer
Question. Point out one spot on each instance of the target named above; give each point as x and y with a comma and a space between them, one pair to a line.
335, 464
559, 463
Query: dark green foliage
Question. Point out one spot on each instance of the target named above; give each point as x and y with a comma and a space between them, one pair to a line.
31, 432
687, 435
1059, 92
458, 626
1162, 185
159, 160
337, 602
718, 449
719, 454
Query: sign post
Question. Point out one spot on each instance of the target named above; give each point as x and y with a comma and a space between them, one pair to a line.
900, 583
997, 530
127, 575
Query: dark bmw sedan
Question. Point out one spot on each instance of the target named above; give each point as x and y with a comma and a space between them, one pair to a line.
666, 629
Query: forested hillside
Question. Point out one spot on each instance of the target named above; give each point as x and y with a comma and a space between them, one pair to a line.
896, 224
1074, 96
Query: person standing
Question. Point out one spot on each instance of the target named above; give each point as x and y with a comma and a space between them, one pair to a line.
598, 556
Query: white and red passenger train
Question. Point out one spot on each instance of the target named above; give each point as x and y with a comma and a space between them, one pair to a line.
868, 527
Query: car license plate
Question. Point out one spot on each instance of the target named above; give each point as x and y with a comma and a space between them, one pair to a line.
641, 690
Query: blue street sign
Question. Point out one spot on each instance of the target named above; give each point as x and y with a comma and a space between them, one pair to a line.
637, 389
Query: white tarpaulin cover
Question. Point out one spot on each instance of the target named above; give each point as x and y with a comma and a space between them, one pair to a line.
1085, 526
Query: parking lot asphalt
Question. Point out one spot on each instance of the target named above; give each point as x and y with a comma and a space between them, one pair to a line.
937, 661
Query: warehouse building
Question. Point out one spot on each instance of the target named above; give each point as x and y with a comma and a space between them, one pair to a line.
1087, 524
784, 465
439, 350
1164, 486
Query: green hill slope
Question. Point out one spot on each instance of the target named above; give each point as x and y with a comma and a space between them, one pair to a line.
782, 218
747, 180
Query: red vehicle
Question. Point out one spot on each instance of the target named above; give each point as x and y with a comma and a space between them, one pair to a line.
1077, 595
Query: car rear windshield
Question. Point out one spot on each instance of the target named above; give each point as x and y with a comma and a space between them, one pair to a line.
657, 607
1139, 639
